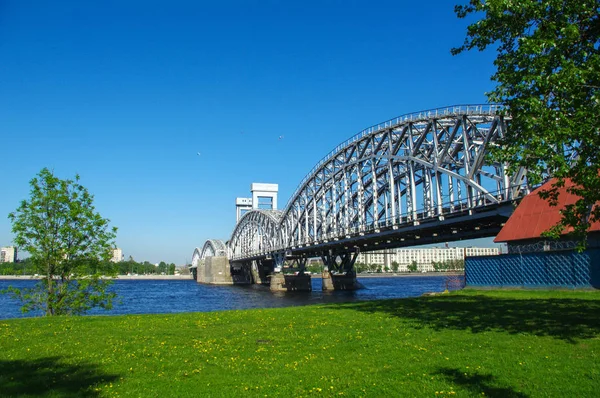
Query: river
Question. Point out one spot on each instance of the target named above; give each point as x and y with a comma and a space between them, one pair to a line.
170, 296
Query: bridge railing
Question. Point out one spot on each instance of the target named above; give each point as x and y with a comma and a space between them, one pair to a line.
449, 208
454, 110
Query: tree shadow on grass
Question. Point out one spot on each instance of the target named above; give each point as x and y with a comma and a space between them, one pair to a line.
565, 319
479, 384
49, 377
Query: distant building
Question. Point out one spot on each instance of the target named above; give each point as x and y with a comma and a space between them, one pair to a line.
8, 254
423, 257
264, 197
117, 255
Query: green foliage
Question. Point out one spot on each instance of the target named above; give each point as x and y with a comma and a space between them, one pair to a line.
66, 240
468, 344
548, 75
171, 269
412, 267
449, 265
360, 267
315, 267
395, 266
71, 297
21, 267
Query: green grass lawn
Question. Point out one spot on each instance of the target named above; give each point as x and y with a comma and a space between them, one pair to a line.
472, 343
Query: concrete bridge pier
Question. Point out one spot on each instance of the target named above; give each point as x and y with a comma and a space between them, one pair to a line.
279, 282
241, 272
290, 283
339, 272
300, 282
340, 281
215, 271
261, 269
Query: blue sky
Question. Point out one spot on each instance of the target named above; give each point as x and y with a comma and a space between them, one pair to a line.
126, 93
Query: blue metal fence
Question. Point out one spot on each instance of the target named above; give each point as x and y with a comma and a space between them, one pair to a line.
568, 269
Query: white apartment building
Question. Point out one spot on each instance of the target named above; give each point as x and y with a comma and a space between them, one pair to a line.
8, 254
117, 255
423, 257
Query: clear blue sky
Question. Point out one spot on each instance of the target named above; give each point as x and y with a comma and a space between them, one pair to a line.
126, 93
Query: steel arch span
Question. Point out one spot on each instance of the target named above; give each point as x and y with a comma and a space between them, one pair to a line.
396, 175
211, 248
258, 231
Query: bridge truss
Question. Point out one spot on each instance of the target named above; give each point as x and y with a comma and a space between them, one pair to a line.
421, 173
211, 248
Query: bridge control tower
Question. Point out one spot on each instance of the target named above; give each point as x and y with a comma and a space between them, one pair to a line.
264, 197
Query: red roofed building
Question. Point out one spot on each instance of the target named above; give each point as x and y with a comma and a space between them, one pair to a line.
534, 215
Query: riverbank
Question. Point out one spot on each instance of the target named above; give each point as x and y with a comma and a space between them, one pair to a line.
131, 277
187, 277
471, 343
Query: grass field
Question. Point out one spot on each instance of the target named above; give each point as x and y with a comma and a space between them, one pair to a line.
472, 343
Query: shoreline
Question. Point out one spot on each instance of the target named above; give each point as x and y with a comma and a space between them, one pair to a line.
189, 277
123, 277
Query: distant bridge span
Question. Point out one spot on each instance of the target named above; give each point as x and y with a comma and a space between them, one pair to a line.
418, 178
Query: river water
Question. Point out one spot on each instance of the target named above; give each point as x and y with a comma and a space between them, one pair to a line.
170, 296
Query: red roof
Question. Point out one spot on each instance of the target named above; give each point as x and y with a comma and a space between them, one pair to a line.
534, 215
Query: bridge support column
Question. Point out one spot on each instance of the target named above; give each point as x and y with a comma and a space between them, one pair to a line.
241, 273
289, 283
215, 271
261, 269
340, 273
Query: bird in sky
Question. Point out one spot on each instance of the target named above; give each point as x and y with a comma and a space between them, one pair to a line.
280, 137
198, 153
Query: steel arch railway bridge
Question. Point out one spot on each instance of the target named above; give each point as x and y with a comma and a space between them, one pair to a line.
418, 178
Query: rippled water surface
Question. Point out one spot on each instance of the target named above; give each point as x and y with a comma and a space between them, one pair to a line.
168, 296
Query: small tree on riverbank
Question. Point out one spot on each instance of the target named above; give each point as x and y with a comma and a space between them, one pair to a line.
412, 267
66, 238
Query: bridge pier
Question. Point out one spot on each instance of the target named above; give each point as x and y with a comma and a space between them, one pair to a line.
290, 283
214, 271
340, 282
300, 282
339, 273
241, 273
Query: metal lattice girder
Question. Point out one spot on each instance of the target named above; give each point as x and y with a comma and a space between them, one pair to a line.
211, 248
419, 166
257, 232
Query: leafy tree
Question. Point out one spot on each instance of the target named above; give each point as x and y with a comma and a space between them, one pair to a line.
412, 267
395, 266
65, 237
359, 267
548, 75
